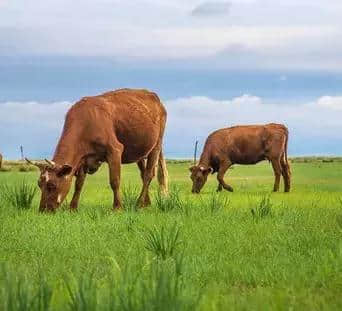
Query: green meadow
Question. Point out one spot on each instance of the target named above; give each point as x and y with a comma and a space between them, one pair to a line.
246, 250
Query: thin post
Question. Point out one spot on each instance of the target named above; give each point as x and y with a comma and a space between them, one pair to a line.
195, 153
22, 152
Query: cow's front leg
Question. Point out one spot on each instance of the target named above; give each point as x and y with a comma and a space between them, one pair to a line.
80, 178
114, 165
224, 166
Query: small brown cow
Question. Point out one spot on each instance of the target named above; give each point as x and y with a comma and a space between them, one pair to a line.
248, 144
122, 126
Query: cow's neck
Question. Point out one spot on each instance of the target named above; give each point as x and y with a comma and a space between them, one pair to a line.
205, 159
70, 149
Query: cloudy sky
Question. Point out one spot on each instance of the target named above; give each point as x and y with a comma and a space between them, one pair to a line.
213, 63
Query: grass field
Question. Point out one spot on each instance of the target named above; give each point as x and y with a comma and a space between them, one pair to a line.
247, 250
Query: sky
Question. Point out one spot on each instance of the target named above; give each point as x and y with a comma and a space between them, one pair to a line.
214, 64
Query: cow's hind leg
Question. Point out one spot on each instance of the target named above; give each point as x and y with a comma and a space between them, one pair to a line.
224, 166
80, 178
114, 164
149, 173
277, 172
286, 172
142, 167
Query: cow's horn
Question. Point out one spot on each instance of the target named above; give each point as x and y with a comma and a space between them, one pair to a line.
39, 165
195, 152
29, 162
51, 163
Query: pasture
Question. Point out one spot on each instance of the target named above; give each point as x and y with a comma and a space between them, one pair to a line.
247, 250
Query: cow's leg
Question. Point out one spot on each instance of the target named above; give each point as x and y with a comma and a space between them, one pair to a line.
152, 160
114, 165
286, 172
224, 166
80, 178
142, 167
277, 172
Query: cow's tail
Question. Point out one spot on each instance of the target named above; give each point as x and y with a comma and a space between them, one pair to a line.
286, 144
285, 151
162, 174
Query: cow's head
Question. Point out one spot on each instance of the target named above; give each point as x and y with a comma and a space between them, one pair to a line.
199, 175
54, 182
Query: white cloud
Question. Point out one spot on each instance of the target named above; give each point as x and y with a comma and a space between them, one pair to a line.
311, 125
333, 102
36, 126
273, 34
44, 115
314, 127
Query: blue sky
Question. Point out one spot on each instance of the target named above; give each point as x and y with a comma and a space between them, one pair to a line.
213, 63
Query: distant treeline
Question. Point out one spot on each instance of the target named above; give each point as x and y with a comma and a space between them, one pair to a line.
22, 166
315, 159
311, 159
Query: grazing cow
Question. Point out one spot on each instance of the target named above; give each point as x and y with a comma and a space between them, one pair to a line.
122, 126
248, 144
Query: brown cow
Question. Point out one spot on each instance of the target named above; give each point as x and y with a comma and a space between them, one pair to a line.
248, 144
122, 126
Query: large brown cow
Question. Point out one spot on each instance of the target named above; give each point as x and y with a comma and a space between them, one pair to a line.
122, 126
248, 144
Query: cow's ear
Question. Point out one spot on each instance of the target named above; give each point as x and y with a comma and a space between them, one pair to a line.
192, 168
64, 170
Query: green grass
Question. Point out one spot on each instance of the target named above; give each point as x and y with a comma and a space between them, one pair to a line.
246, 250
18, 195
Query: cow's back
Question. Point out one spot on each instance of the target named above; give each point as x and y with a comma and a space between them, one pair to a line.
246, 144
135, 117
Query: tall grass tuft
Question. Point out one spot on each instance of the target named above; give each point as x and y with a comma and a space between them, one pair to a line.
162, 242
157, 285
129, 198
164, 290
44, 295
263, 209
216, 202
18, 195
169, 202
20, 294
82, 292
